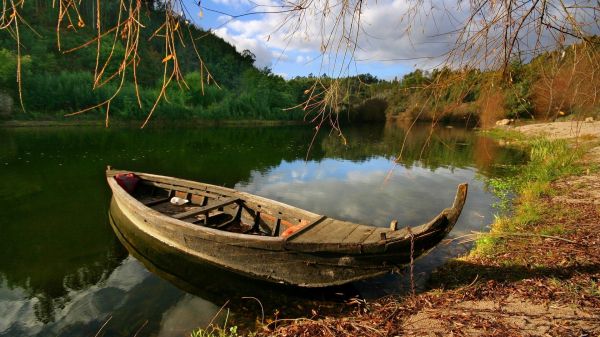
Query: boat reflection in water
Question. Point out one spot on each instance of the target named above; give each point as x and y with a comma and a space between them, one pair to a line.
244, 300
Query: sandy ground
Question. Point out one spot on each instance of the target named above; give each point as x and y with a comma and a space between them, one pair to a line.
514, 316
562, 130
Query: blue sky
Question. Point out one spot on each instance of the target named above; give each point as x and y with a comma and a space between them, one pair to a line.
384, 49
388, 46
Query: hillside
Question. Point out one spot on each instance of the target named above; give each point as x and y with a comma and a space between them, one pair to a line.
552, 85
55, 83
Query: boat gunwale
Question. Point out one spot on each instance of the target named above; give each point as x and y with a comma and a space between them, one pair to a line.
180, 223
425, 229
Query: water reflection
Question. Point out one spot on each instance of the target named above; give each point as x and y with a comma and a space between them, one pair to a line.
217, 285
62, 271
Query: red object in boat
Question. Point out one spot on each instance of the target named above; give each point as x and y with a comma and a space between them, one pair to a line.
128, 181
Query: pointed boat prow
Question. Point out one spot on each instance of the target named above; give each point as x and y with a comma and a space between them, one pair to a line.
459, 202
443, 223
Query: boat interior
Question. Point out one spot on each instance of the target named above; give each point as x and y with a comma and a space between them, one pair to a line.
221, 210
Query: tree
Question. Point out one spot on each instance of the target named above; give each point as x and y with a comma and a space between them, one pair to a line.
247, 54
490, 35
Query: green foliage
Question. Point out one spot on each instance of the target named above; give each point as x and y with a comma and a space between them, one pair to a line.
549, 160
518, 94
55, 83
245, 92
216, 332
503, 189
8, 70
505, 135
472, 94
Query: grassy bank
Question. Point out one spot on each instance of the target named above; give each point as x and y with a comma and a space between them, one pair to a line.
549, 160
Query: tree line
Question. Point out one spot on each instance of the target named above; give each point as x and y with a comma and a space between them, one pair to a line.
54, 84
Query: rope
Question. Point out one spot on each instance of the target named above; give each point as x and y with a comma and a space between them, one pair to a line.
412, 261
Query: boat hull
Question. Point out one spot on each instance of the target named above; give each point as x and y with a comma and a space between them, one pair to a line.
318, 251
275, 264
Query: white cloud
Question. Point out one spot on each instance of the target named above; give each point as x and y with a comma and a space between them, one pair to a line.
223, 18
301, 59
234, 3
264, 56
382, 36
280, 56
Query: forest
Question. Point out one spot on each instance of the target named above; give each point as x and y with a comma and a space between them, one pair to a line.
555, 84
58, 82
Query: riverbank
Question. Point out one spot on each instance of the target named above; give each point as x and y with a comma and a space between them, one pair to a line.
536, 274
157, 123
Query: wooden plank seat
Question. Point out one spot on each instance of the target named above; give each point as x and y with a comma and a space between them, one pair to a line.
155, 201
203, 218
205, 209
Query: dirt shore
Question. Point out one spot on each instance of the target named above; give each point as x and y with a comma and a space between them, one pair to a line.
541, 281
562, 130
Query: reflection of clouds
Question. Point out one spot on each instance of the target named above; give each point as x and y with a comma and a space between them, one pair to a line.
188, 314
13, 308
356, 177
359, 192
17, 312
90, 307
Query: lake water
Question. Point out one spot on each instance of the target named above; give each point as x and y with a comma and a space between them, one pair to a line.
64, 273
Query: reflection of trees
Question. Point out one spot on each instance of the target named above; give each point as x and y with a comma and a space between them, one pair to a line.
52, 291
55, 233
431, 148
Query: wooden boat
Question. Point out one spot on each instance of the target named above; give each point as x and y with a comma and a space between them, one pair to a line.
263, 238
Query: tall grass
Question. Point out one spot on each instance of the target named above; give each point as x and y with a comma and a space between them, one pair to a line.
549, 160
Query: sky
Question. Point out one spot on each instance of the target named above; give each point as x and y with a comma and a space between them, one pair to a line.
384, 49
384, 44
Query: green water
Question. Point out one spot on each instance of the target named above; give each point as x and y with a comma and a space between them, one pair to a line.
63, 272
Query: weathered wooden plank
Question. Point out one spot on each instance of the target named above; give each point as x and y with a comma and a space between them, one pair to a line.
267, 206
375, 236
333, 233
291, 213
343, 230
185, 189
153, 202
312, 231
257, 219
185, 183
205, 209
277, 228
358, 235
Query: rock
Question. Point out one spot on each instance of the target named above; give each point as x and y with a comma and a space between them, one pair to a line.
6, 105
589, 120
504, 122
